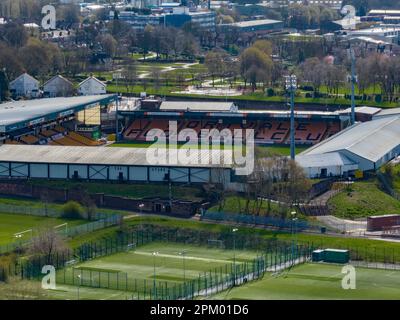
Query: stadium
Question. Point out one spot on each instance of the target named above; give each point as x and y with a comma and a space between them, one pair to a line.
96, 147
329, 145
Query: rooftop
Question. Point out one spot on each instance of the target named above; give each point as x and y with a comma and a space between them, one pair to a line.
253, 23
101, 155
18, 114
197, 106
370, 140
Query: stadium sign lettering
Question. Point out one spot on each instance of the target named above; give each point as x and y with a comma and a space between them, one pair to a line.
36, 121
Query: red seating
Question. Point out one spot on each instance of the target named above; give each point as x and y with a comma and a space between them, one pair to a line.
310, 133
273, 131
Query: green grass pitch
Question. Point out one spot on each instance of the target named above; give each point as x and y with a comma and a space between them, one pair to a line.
13, 223
319, 281
139, 264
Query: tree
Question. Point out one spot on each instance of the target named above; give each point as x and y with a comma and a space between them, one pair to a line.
4, 85
255, 66
215, 62
109, 45
72, 210
48, 244
130, 75
145, 40
312, 71
14, 34
155, 75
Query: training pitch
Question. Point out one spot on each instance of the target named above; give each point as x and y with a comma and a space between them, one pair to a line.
166, 262
11, 224
319, 281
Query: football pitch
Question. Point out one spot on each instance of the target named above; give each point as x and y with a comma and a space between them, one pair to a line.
170, 263
14, 223
164, 262
319, 281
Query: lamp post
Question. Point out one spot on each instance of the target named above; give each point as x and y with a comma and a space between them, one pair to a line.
294, 243
291, 86
183, 254
80, 283
234, 254
353, 81
154, 275
141, 206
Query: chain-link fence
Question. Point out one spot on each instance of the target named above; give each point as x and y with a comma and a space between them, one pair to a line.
273, 222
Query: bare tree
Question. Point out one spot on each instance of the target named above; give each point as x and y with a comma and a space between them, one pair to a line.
48, 244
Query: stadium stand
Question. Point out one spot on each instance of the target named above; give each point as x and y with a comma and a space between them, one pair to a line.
310, 133
9, 141
82, 139
29, 139
265, 131
48, 133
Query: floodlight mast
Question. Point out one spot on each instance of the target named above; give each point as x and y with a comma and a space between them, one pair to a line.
353, 83
291, 86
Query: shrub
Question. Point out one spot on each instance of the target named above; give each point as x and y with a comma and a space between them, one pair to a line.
270, 92
72, 210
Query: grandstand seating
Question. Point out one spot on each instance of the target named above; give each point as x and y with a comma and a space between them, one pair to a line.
9, 141
135, 129
273, 131
66, 141
310, 133
29, 139
82, 139
60, 129
333, 128
48, 133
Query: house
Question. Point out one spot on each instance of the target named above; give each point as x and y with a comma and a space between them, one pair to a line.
58, 86
25, 86
91, 86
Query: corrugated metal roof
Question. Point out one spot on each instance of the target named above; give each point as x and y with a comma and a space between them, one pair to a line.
196, 106
253, 23
389, 112
323, 160
370, 140
103, 156
26, 110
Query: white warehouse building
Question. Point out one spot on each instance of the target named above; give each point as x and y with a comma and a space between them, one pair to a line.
364, 146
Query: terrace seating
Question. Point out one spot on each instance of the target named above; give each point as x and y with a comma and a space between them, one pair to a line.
82, 139
9, 141
29, 139
135, 129
155, 124
333, 128
48, 133
66, 141
274, 131
60, 129
310, 133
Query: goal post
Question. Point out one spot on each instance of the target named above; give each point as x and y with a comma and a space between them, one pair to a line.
212, 243
130, 246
